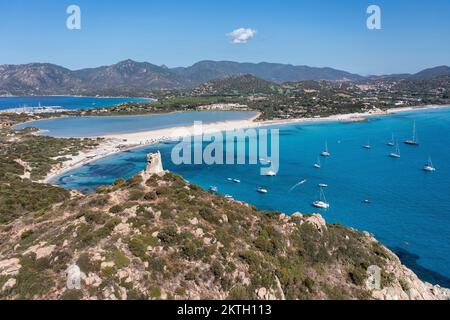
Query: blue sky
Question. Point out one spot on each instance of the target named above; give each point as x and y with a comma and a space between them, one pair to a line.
415, 34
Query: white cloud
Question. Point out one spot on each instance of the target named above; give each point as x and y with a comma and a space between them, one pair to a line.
241, 35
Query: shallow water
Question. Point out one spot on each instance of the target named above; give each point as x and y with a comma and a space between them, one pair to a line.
409, 210
103, 125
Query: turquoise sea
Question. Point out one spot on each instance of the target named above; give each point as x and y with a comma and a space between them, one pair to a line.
409, 209
64, 102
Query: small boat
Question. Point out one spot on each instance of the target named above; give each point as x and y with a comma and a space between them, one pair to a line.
229, 179
367, 146
413, 141
323, 185
391, 143
367, 201
325, 153
270, 173
236, 181
303, 182
317, 165
227, 196
322, 202
395, 154
262, 190
429, 166
213, 189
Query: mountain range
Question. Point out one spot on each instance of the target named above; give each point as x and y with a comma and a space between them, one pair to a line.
131, 77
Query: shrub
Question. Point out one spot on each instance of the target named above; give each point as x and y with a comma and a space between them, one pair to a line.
137, 247
120, 182
169, 236
154, 292
96, 217
72, 295
150, 196
155, 263
116, 209
209, 215
34, 279
136, 194
99, 201
240, 293
120, 259
357, 276
86, 264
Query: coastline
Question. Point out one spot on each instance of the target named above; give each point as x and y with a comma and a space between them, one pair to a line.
115, 143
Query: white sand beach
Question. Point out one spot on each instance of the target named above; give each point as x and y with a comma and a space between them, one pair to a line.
115, 143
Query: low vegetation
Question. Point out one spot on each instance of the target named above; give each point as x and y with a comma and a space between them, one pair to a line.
183, 243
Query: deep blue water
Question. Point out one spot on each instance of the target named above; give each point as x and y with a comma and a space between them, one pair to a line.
65, 102
409, 210
101, 125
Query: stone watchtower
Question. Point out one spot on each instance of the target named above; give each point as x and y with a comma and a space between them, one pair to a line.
154, 164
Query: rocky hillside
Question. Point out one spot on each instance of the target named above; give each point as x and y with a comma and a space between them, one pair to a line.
133, 78
208, 70
163, 238
37, 78
139, 78
126, 77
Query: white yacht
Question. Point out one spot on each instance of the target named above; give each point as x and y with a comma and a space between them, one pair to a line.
317, 165
429, 166
322, 202
325, 153
236, 181
413, 141
391, 143
270, 173
395, 154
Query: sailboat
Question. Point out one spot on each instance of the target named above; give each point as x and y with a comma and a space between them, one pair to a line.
322, 202
392, 142
413, 141
395, 154
367, 146
317, 165
429, 166
270, 173
325, 153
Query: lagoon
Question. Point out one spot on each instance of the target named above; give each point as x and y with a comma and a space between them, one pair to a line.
107, 125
